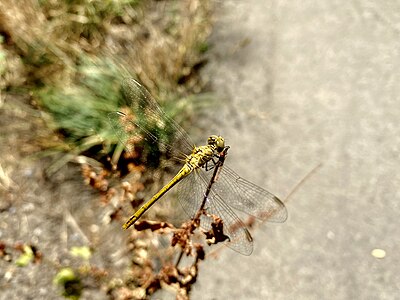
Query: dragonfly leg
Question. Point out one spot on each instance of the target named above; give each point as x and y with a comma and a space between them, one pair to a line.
208, 166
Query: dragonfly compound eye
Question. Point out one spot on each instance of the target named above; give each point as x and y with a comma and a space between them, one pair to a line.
218, 141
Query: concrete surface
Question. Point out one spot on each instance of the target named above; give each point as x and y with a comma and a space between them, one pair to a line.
305, 83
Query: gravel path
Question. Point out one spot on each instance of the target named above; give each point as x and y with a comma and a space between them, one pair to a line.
304, 84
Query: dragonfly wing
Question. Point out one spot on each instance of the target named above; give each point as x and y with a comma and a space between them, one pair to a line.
249, 198
240, 238
191, 194
125, 129
152, 122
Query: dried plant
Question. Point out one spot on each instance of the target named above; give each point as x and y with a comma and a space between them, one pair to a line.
182, 240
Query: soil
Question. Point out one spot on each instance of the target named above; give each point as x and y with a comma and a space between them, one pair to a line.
51, 213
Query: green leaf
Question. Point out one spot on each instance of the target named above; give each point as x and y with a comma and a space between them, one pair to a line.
25, 257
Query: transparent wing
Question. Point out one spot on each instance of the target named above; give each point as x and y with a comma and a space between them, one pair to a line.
191, 192
230, 190
151, 122
248, 197
240, 238
126, 130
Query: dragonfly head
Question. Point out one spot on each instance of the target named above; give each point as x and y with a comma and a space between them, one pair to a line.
217, 141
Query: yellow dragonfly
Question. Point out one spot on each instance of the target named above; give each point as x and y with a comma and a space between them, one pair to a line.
147, 121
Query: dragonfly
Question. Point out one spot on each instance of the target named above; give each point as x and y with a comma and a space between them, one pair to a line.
146, 121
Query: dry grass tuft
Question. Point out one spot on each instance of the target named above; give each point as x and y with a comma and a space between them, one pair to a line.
160, 42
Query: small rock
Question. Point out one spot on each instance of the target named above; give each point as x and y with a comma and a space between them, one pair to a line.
378, 253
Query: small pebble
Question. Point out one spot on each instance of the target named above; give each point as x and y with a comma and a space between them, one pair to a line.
94, 228
378, 253
330, 235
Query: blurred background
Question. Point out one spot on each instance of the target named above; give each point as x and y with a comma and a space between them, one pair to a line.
304, 93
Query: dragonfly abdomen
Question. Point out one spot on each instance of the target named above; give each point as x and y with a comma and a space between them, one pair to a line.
183, 172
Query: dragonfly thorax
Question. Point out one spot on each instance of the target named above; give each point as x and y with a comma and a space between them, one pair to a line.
202, 154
